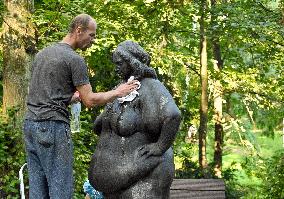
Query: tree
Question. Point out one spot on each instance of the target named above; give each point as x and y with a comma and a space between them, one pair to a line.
217, 92
204, 86
19, 48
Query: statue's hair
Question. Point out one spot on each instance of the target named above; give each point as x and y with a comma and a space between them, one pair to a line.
81, 20
137, 58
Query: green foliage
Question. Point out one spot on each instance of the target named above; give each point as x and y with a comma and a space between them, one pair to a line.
185, 152
51, 19
251, 40
2, 8
269, 126
12, 155
271, 171
267, 174
251, 170
252, 49
1, 76
273, 178
234, 189
189, 170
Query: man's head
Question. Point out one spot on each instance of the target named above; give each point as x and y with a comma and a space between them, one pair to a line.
82, 29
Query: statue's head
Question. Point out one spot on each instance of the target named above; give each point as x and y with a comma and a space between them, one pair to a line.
132, 60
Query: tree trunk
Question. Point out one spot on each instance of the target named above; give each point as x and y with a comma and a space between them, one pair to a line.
218, 111
281, 5
218, 98
18, 49
283, 134
204, 84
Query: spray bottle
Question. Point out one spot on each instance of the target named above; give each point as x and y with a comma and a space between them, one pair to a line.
75, 115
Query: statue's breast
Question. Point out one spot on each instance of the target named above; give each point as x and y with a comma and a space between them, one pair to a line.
126, 118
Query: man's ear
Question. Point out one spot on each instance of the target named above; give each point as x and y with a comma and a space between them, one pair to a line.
79, 30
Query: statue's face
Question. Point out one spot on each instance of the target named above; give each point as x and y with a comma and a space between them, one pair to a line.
122, 67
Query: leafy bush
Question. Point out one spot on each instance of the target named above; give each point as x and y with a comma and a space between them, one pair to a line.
12, 155
273, 176
234, 190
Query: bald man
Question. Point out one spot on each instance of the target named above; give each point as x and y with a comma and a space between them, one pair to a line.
57, 73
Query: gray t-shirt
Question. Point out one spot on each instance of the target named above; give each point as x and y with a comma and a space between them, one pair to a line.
56, 71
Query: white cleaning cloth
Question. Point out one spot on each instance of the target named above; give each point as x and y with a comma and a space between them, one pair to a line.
131, 96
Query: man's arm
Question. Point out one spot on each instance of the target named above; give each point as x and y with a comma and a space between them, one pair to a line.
90, 99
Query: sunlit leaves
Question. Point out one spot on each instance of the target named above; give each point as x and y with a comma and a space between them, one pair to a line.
251, 40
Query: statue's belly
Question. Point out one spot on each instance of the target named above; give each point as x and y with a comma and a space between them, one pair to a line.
112, 144
114, 157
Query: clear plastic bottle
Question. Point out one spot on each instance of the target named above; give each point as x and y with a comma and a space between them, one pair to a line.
75, 117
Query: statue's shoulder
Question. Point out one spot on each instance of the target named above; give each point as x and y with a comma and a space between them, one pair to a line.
151, 82
154, 87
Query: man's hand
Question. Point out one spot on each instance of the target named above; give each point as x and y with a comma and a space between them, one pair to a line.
75, 97
126, 88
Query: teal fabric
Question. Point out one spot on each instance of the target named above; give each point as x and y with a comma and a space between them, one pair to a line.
94, 194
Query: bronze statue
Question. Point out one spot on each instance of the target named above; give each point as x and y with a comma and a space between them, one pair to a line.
133, 158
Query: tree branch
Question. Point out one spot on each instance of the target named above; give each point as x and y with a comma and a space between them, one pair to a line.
264, 8
188, 65
242, 90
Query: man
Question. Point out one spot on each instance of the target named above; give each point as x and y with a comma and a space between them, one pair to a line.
57, 72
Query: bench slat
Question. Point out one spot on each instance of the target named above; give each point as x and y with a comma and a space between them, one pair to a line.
198, 184
185, 194
197, 189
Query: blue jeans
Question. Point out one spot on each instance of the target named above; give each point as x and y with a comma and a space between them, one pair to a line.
49, 151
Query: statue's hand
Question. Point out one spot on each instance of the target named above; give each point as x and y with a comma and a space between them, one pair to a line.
148, 150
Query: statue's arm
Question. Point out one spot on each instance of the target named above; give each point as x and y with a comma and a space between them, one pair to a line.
171, 118
98, 124
168, 116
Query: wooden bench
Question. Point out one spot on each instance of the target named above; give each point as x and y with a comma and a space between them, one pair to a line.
198, 189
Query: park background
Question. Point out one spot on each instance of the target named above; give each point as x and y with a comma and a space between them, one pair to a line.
222, 61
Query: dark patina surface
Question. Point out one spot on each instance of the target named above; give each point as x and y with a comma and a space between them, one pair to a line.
134, 158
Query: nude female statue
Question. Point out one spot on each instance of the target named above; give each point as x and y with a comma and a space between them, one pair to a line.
133, 158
